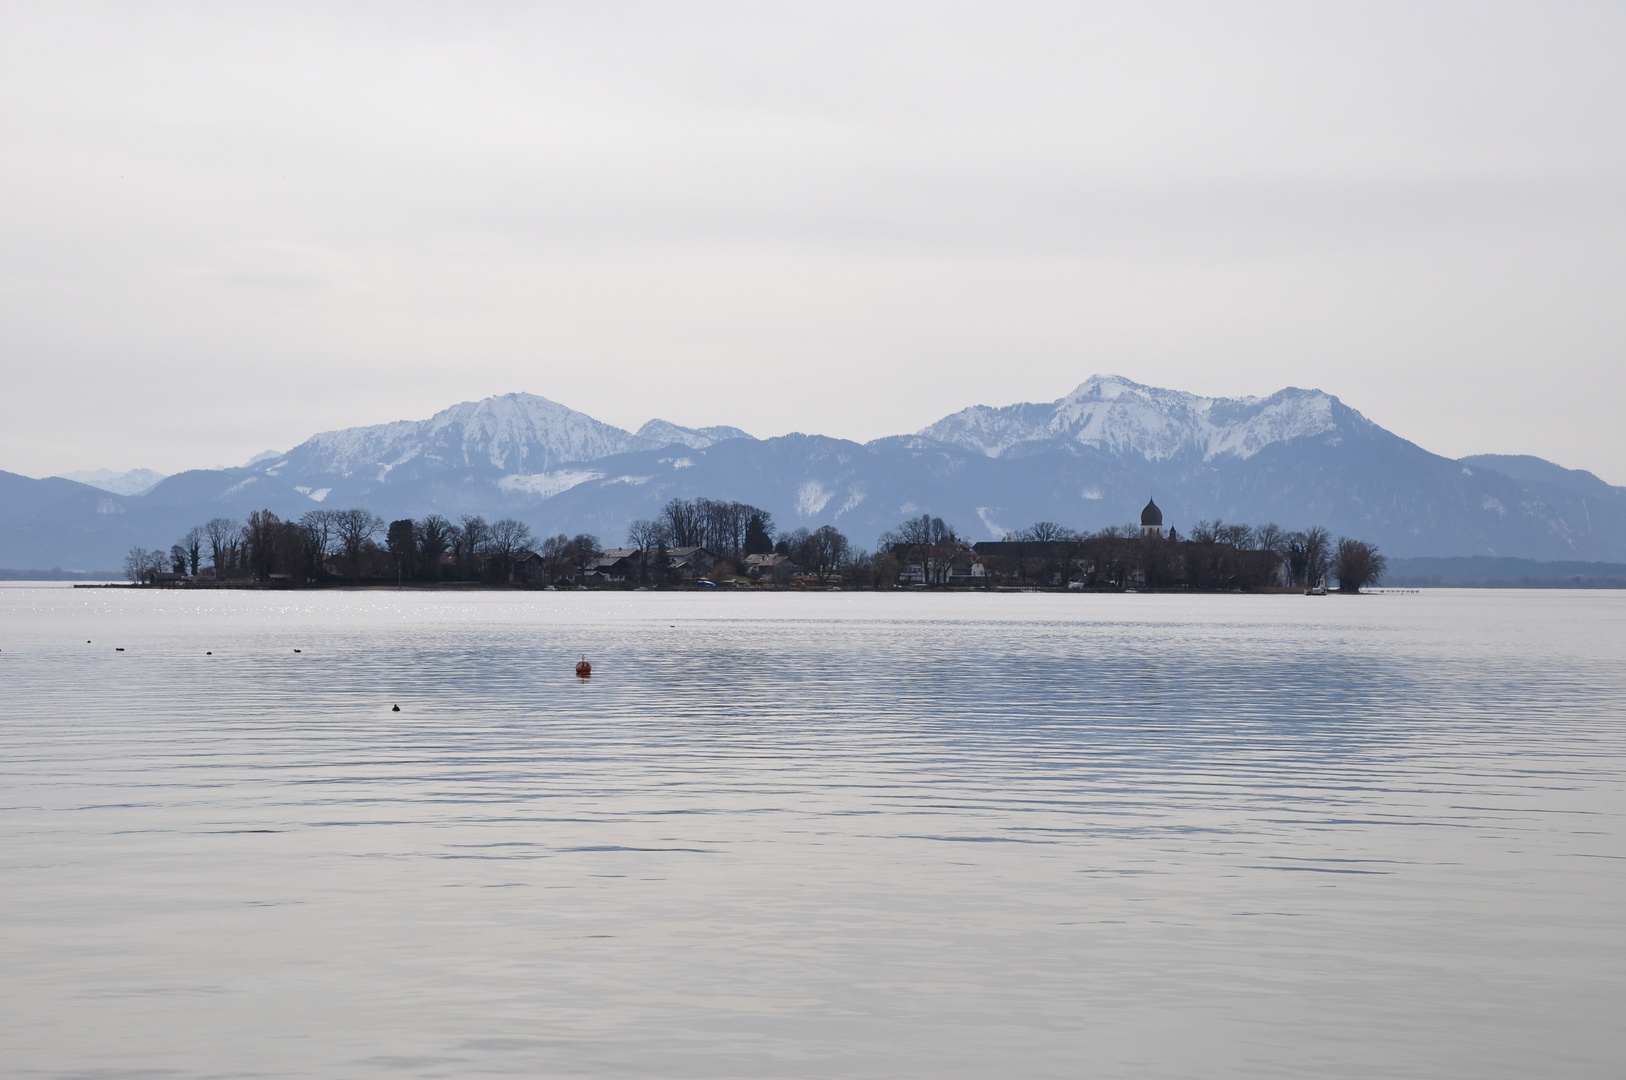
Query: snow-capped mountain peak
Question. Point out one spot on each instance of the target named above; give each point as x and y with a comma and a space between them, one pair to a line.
510, 435
133, 482
513, 433
1128, 419
658, 433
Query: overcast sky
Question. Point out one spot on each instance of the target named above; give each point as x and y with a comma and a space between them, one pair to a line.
224, 227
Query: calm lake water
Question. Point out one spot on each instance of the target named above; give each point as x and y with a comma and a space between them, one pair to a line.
833, 835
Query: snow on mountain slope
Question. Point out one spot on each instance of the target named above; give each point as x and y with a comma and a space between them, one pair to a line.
514, 435
1128, 419
659, 433
133, 482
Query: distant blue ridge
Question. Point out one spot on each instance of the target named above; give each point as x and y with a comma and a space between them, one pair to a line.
1087, 460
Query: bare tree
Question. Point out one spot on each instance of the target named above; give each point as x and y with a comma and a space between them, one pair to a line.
734, 525
221, 533
716, 524
322, 527
823, 551
859, 571
468, 546
260, 541
644, 534
683, 522
1318, 552
434, 540
1205, 532
505, 539
191, 546
556, 558
143, 565
1272, 539
791, 544
923, 539
1297, 557
1306, 554
355, 529
1357, 565
586, 549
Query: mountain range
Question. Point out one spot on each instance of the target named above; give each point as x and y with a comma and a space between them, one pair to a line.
1086, 460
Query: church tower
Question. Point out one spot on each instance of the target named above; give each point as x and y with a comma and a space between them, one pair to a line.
1151, 520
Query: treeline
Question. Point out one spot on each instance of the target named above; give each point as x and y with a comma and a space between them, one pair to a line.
737, 539
345, 545
1214, 555
735, 531
731, 530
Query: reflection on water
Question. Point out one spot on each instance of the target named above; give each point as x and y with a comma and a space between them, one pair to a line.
811, 836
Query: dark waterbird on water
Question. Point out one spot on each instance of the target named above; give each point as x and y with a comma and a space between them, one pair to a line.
395, 708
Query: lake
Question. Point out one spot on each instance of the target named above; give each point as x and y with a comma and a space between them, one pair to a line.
821, 835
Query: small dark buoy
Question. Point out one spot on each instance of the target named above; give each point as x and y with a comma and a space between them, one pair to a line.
583, 668
395, 708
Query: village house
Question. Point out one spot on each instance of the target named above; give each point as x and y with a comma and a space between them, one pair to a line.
770, 567
689, 563
1038, 562
616, 564
530, 568
952, 562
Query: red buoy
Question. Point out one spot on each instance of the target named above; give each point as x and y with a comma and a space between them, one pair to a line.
583, 668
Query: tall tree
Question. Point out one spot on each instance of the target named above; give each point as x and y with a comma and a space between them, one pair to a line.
1307, 553
470, 546
923, 540
1044, 532
558, 557
684, 522
586, 549
260, 541
143, 565
192, 545
824, 551
506, 539
1357, 565
221, 533
434, 540
355, 529
401, 539
321, 526
1318, 553
758, 534
644, 534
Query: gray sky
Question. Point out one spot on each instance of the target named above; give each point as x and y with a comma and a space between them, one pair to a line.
224, 227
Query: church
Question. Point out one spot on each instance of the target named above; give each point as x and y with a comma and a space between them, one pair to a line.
1151, 522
